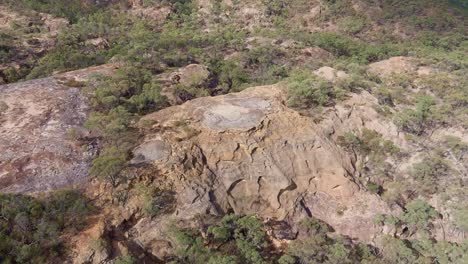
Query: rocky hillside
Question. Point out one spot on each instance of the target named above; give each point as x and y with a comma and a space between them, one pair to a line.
40, 122
233, 131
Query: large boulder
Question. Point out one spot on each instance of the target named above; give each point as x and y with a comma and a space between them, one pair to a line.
392, 66
249, 153
330, 74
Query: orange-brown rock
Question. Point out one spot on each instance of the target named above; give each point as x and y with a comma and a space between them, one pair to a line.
249, 153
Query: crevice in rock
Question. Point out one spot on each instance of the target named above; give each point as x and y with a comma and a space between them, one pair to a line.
290, 187
232, 186
306, 209
118, 234
259, 183
214, 202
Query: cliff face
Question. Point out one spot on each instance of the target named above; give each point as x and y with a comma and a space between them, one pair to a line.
40, 120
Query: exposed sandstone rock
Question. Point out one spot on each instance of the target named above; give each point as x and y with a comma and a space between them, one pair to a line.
90, 245
356, 113
395, 65
316, 52
193, 75
100, 43
54, 24
38, 152
154, 13
252, 154
426, 70
330, 74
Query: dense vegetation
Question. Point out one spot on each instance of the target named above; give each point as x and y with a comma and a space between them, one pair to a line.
237, 239
32, 229
244, 239
70, 9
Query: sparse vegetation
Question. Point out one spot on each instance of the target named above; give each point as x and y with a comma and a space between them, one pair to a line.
264, 43
305, 89
417, 120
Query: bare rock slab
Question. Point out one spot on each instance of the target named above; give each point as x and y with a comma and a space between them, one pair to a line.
37, 151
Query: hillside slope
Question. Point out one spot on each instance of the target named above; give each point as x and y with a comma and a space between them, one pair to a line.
233, 131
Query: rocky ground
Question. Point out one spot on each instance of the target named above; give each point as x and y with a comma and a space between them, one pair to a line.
180, 141
40, 124
249, 153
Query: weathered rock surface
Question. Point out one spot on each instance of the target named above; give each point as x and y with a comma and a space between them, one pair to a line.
330, 74
249, 153
38, 152
192, 75
394, 65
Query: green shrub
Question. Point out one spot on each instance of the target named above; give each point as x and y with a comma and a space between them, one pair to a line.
418, 215
357, 51
117, 98
31, 228
111, 125
64, 58
429, 173
318, 247
460, 213
127, 259
417, 120
109, 164
397, 251
221, 259
374, 188
370, 143
13, 75
7, 50
287, 259
352, 25
70, 9
275, 7
384, 97
305, 89
158, 202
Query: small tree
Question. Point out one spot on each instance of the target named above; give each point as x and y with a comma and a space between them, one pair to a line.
416, 120
306, 89
109, 164
418, 215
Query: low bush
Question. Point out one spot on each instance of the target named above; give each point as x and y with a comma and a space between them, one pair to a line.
70, 9
109, 164
418, 215
429, 173
343, 46
306, 89
64, 58
31, 229
353, 25
417, 120
318, 247
243, 238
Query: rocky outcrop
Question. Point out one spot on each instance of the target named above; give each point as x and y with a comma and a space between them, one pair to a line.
392, 66
39, 125
191, 76
330, 74
250, 154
